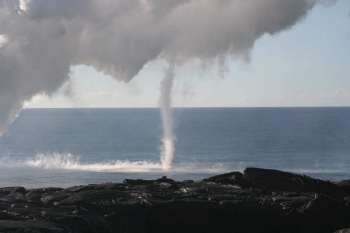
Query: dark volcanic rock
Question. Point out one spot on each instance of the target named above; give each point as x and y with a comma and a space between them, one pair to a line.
278, 181
344, 183
34, 196
261, 200
29, 226
8, 190
233, 178
139, 182
343, 231
164, 179
96, 197
14, 198
50, 199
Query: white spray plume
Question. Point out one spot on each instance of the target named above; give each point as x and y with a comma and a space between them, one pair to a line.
57, 161
44, 38
70, 162
167, 149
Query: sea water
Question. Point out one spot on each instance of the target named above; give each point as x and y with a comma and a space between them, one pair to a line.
65, 147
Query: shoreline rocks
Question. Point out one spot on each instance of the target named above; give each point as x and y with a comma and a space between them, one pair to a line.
259, 200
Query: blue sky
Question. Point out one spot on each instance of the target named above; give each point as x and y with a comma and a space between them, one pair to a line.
308, 65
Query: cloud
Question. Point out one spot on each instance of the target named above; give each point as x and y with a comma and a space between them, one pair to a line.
119, 37
333, 97
342, 92
3, 40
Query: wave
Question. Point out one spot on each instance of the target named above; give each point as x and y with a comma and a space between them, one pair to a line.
318, 171
70, 162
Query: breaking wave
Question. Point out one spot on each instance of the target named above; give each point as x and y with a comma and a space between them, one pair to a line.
70, 162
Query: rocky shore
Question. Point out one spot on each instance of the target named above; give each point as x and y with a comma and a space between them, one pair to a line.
259, 200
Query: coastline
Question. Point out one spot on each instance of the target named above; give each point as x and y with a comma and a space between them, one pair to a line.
257, 200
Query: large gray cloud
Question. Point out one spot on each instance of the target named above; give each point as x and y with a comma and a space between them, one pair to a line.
44, 38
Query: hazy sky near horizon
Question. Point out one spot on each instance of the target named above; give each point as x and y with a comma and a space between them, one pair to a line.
308, 65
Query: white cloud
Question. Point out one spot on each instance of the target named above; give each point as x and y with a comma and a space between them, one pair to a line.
3, 40
335, 97
119, 37
342, 92
23, 4
98, 94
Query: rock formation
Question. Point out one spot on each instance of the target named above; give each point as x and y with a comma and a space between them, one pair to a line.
260, 200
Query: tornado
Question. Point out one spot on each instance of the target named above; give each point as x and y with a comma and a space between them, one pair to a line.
168, 140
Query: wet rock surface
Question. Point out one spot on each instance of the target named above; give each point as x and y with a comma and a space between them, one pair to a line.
259, 200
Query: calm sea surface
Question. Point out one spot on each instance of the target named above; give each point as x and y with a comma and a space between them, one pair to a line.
65, 147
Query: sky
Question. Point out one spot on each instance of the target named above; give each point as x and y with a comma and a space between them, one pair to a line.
307, 65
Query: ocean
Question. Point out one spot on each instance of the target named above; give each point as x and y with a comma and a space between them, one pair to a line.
66, 147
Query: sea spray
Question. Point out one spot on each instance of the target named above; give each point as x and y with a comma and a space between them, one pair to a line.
167, 148
69, 162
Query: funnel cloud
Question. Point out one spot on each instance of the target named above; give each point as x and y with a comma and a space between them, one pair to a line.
40, 40
168, 148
